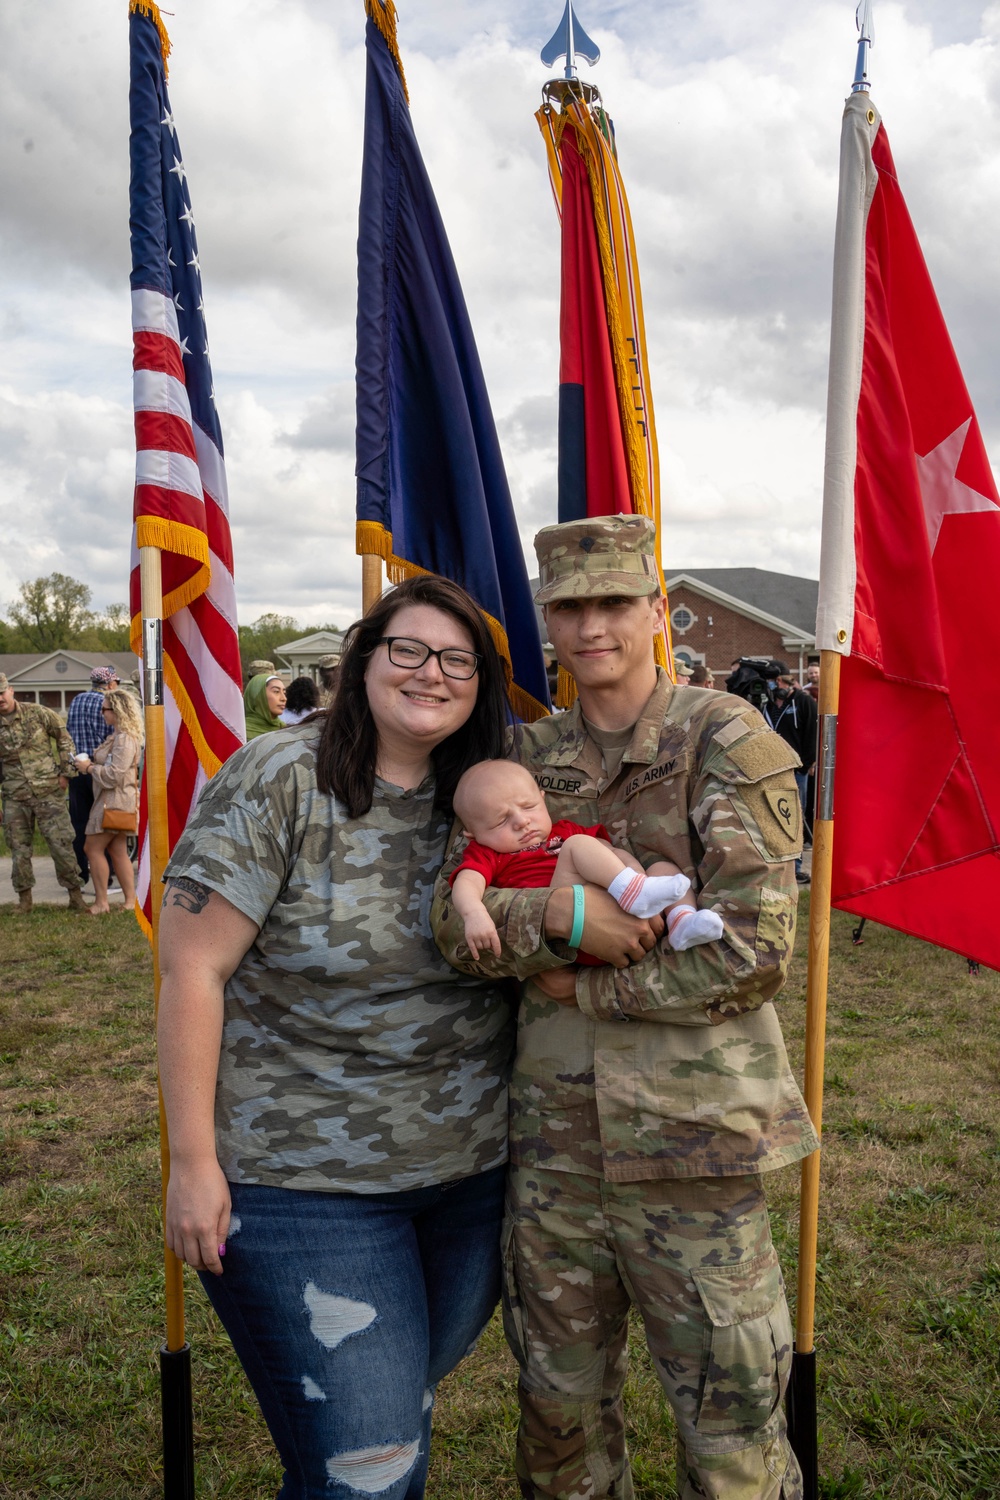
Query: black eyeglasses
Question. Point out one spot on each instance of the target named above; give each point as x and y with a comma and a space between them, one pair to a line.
412, 654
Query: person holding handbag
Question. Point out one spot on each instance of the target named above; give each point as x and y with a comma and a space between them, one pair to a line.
114, 772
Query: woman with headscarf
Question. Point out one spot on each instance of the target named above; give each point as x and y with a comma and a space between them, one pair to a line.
263, 700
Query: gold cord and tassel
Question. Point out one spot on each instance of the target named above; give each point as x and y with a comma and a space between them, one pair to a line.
382, 14
152, 12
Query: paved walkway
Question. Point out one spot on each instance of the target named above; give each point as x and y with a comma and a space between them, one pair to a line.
46, 887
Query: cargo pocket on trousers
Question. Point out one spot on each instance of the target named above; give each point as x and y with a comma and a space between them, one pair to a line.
749, 1350
513, 1316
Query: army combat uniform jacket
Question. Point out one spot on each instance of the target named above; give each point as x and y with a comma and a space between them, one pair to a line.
29, 768
675, 1066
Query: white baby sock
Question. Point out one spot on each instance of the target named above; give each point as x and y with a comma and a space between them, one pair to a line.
645, 895
687, 927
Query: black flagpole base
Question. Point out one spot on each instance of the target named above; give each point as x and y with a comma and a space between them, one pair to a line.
178, 1423
800, 1408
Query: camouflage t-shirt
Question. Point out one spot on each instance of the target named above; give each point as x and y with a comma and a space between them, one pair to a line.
353, 1057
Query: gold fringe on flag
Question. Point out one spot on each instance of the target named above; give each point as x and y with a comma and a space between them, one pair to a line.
152, 11
565, 689
372, 540
184, 541
551, 125
382, 14
207, 757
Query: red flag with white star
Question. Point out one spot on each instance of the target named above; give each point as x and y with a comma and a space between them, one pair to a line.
908, 582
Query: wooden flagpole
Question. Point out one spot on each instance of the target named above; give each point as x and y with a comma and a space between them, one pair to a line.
371, 581
175, 1353
802, 1413
802, 1410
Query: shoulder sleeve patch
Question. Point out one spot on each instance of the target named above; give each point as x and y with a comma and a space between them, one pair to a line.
771, 813
760, 755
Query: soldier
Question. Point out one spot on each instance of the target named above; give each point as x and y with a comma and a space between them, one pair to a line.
257, 667
34, 785
329, 669
648, 1097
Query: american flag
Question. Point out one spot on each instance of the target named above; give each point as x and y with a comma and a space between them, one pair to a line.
181, 503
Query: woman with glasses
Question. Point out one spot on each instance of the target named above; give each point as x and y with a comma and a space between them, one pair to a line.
114, 770
336, 1094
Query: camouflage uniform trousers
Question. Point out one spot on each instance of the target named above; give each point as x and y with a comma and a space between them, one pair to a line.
695, 1257
52, 817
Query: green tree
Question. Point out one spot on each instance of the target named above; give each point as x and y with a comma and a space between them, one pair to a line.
261, 639
112, 628
51, 612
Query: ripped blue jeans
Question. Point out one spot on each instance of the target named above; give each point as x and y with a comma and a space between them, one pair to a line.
345, 1310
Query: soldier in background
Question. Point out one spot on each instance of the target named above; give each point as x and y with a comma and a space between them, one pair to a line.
257, 667
35, 778
647, 1098
329, 671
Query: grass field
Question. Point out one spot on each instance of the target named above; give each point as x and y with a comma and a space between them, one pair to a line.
909, 1290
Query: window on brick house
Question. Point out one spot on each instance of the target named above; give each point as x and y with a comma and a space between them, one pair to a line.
681, 618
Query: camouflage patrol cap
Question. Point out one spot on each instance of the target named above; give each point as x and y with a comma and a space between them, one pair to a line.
596, 557
328, 661
256, 667
682, 669
4, 684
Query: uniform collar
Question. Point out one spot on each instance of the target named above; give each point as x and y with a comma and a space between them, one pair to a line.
574, 747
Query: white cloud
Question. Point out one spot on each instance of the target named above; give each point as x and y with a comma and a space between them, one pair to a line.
727, 122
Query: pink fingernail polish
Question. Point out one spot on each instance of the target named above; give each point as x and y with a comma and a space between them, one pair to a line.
222, 1249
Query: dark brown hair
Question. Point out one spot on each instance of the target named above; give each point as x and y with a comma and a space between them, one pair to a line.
302, 694
348, 746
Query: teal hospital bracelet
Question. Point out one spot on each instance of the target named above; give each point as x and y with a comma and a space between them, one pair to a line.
576, 935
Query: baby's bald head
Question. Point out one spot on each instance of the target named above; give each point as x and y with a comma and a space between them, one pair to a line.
495, 794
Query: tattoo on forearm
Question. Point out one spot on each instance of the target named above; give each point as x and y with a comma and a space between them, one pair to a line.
189, 895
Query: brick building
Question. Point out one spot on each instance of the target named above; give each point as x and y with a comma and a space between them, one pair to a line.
717, 614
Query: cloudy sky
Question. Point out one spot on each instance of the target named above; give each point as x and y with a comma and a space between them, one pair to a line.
728, 121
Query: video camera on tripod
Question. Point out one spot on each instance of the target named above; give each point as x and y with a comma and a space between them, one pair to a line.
755, 679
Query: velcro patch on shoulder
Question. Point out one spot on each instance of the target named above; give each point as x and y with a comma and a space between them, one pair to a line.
762, 755
736, 729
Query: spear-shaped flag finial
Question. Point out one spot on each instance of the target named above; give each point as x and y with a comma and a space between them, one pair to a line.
569, 40
863, 15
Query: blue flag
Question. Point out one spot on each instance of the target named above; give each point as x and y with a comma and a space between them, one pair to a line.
432, 491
